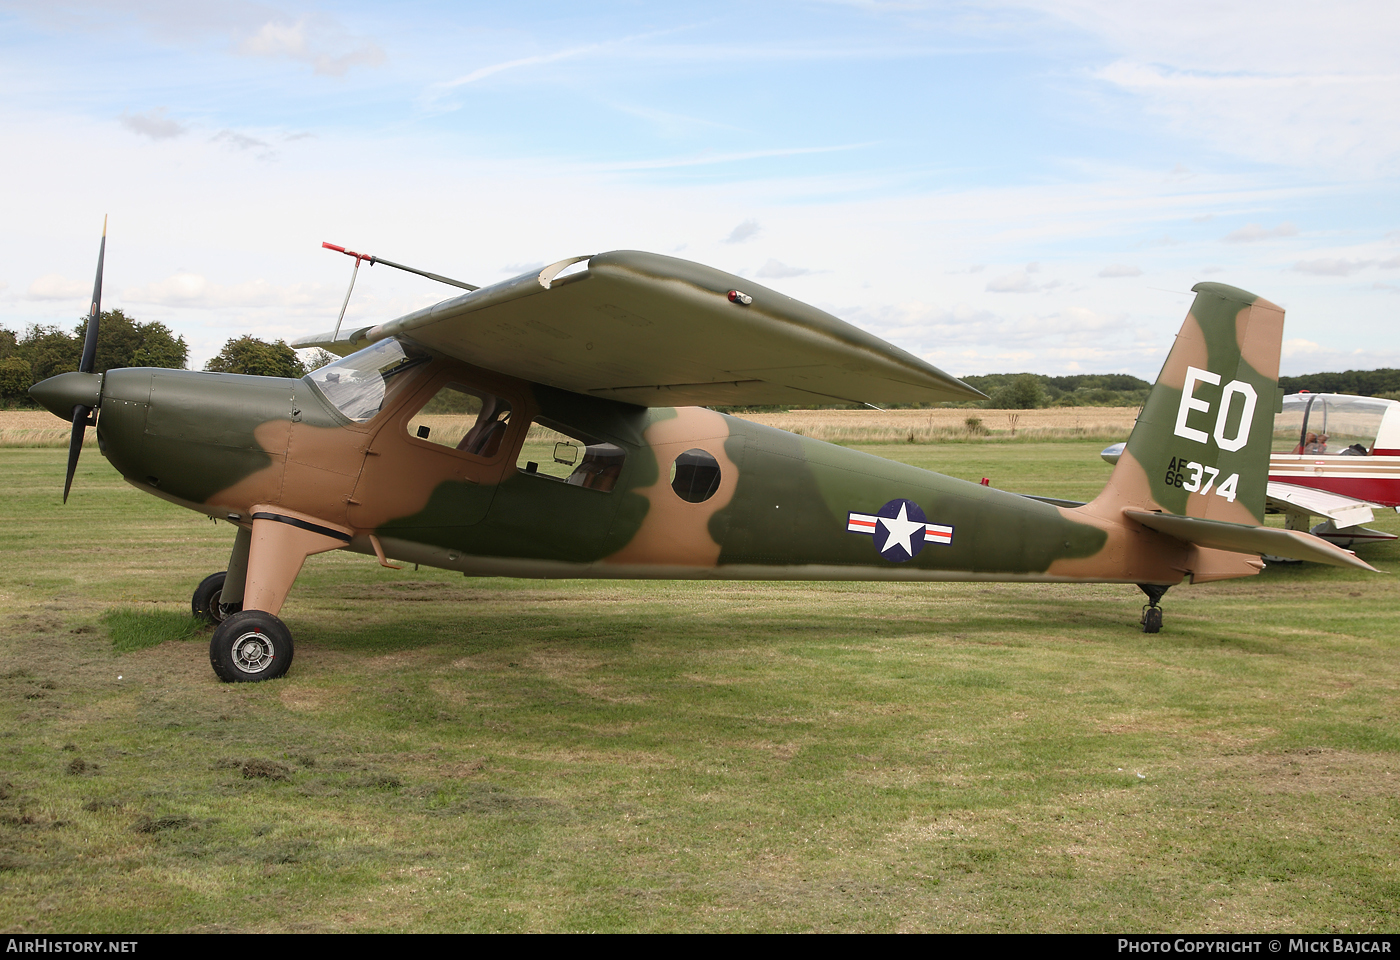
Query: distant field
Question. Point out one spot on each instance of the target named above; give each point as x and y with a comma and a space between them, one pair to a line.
36, 428
43, 429
467, 754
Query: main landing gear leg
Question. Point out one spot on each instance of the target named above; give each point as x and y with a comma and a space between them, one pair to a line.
1152, 613
253, 644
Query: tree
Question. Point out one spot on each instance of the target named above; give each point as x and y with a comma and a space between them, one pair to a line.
1026, 392
14, 378
248, 354
123, 342
318, 358
49, 351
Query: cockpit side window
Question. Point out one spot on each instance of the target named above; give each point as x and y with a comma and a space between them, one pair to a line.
359, 384
463, 418
556, 451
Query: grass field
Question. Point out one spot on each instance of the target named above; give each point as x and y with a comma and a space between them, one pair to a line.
497, 755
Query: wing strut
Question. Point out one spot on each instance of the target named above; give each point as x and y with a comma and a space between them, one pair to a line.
388, 263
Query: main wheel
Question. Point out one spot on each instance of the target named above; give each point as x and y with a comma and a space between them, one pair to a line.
207, 603
250, 646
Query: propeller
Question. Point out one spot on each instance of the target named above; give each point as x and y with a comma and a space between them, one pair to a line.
82, 413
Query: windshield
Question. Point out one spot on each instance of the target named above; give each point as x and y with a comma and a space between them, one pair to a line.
1328, 424
358, 384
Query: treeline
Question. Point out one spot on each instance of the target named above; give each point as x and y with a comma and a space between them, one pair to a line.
1027, 391
45, 351
1363, 383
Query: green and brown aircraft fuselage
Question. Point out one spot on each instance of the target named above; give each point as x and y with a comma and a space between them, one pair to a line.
781, 508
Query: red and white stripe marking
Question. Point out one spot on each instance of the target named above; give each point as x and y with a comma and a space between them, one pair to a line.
867, 523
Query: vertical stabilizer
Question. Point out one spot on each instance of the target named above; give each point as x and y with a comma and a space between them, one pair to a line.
1200, 447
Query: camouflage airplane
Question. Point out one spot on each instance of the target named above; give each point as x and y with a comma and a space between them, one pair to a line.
554, 425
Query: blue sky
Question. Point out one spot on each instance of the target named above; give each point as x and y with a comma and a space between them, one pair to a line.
994, 186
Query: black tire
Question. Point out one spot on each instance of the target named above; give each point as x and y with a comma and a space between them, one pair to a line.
1152, 620
207, 603
250, 646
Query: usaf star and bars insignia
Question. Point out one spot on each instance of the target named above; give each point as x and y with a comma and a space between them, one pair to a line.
900, 529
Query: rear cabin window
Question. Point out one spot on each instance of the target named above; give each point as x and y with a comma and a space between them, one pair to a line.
695, 476
555, 451
463, 418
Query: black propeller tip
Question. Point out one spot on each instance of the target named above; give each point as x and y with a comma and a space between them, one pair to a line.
75, 445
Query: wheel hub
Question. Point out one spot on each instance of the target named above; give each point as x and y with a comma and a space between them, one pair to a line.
252, 652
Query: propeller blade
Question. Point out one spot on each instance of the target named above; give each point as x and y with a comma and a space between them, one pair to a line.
90, 339
75, 445
82, 414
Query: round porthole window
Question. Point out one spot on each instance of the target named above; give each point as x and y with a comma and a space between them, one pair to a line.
695, 476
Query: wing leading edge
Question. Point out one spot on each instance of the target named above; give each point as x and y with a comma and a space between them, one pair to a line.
658, 331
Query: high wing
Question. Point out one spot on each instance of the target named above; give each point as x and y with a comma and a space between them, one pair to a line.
1343, 511
659, 332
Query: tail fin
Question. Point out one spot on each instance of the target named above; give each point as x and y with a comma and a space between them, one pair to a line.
1200, 447
1196, 466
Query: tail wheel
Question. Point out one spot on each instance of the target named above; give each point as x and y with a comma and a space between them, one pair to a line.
250, 646
1151, 619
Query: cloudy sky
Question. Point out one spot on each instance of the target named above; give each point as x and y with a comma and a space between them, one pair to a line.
993, 186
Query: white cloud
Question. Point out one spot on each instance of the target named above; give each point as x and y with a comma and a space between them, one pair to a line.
1307, 356
1331, 267
1253, 232
315, 41
153, 123
1272, 82
744, 231
194, 290
1012, 283
775, 270
53, 286
1299, 347
481, 73
1120, 270
241, 141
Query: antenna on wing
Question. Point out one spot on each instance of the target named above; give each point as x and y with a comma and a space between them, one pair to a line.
388, 263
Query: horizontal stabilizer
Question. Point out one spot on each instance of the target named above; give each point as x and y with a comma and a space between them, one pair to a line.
1239, 538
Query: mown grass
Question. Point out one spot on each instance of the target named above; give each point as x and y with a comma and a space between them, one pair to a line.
137, 629
454, 754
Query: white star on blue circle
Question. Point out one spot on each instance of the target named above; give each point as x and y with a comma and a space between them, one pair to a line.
904, 525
